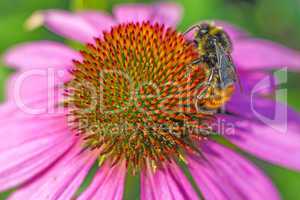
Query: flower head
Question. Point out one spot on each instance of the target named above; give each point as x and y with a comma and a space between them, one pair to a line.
129, 101
133, 94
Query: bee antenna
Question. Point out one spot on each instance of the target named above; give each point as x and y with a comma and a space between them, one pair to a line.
191, 28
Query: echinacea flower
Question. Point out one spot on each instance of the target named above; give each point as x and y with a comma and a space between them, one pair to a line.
53, 131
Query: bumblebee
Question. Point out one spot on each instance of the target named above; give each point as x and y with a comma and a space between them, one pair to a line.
215, 48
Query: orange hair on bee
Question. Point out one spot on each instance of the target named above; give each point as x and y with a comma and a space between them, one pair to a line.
215, 97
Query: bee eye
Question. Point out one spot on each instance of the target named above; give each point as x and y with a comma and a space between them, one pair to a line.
202, 33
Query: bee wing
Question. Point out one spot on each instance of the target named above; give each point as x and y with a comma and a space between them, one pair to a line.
227, 72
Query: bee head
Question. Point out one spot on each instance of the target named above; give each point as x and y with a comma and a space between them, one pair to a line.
203, 31
210, 35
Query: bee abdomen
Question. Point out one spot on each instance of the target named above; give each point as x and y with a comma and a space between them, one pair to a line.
215, 98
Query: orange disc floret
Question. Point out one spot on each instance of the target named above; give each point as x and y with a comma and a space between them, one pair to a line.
134, 95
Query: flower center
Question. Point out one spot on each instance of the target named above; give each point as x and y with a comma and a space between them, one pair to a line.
134, 95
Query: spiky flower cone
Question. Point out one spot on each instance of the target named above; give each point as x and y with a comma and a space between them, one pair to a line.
134, 95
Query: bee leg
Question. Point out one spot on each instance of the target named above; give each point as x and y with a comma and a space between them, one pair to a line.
211, 75
197, 61
207, 84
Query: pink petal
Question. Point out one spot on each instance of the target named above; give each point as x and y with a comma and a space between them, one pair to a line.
265, 129
168, 183
107, 184
30, 109
262, 54
37, 91
61, 181
132, 13
21, 163
32, 143
166, 13
41, 55
37, 84
70, 25
222, 174
29, 113
263, 83
26, 129
100, 20
44, 103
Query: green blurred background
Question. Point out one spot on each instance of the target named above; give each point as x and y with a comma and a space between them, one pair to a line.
271, 19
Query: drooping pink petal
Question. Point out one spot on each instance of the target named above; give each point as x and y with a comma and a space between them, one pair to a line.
132, 13
263, 83
222, 174
60, 182
265, 128
45, 102
32, 143
27, 128
41, 90
101, 21
168, 183
41, 55
108, 183
9, 108
262, 54
21, 163
166, 13
38, 107
70, 26
40, 83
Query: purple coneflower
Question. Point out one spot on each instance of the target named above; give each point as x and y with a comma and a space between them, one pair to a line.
54, 130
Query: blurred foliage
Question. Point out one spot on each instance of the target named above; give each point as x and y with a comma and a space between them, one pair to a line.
91, 4
270, 19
